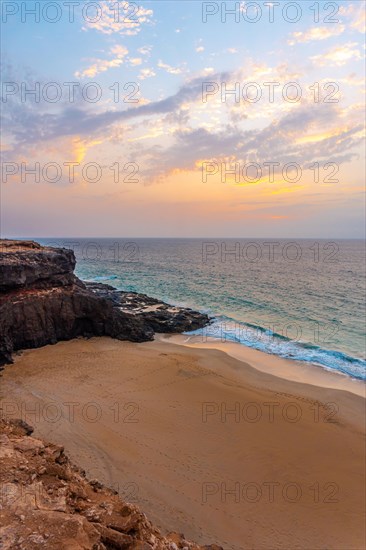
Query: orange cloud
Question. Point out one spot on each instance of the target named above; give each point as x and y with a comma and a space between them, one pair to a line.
102, 65
338, 55
315, 33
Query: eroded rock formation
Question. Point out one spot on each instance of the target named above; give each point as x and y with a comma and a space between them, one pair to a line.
46, 502
42, 302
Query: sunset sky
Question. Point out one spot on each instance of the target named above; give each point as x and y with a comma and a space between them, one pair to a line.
171, 145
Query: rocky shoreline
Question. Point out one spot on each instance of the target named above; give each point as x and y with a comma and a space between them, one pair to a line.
43, 302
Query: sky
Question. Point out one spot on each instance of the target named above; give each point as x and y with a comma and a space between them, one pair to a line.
183, 119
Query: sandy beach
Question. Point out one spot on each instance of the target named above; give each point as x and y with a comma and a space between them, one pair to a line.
250, 452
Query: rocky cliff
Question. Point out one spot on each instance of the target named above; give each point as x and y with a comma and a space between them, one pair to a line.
46, 502
42, 302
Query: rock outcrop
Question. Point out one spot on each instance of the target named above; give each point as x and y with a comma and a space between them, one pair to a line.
26, 264
157, 315
43, 302
46, 502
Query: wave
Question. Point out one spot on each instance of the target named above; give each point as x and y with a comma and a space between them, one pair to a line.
227, 329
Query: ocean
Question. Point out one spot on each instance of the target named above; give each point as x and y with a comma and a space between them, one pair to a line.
299, 299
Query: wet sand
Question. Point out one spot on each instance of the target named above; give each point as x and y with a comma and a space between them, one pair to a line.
206, 443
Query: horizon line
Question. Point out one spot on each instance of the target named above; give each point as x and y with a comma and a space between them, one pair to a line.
183, 238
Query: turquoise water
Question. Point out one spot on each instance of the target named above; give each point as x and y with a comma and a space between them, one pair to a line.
302, 299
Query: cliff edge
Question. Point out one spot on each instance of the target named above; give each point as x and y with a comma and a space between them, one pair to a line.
46, 502
43, 302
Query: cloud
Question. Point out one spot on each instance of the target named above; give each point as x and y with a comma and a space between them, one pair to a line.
146, 73
102, 65
145, 50
353, 80
315, 33
360, 22
276, 142
119, 50
30, 123
355, 16
135, 61
122, 18
188, 130
81, 147
338, 56
168, 68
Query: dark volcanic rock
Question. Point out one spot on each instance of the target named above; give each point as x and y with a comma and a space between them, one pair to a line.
158, 315
42, 302
44, 266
